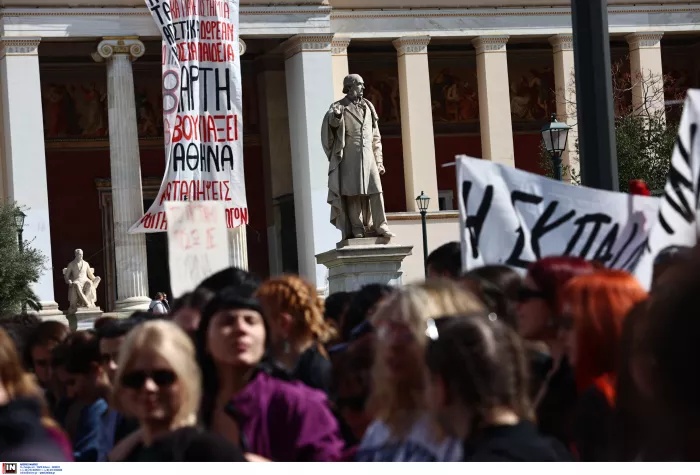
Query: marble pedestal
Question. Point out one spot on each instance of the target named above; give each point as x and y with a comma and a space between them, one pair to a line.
83, 314
355, 263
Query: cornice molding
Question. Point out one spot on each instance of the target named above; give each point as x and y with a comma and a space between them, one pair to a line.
19, 46
307, 44
339, 46
112, 46
644, 40
411, 45
490, 44
497, 12
138, 11
562, 42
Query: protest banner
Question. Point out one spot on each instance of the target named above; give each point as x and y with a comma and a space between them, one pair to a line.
677, 223
513, 217
197, 242
201, 109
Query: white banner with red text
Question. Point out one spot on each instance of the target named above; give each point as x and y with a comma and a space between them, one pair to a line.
202, 106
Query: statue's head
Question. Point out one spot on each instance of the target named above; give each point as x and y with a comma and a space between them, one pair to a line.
79, 254
354, 86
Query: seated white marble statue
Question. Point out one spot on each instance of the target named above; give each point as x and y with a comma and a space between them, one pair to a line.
82, 283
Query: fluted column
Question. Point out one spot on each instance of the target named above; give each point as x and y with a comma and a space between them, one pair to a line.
419, 168
339, 50
494, 99
647, 72
563, 49
125, 164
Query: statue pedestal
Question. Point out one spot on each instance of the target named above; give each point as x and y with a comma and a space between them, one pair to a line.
355, 263
83, 314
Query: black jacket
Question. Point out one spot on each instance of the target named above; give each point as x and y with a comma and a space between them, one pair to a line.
519, 443
189, 444
22, 436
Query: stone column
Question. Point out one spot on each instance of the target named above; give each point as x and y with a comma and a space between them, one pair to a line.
238, 237
339, 48
277, 155
125, 164
494, 99
22, 154
647, 72
563, 47
419, 168
309, 75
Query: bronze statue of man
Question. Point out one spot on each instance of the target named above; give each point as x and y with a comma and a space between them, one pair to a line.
353, 145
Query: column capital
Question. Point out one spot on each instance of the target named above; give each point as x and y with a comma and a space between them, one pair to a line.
562, 42
242, 47
490, 44
111, 46
339, 46
307, 44
644, 40
10, 46
411, 45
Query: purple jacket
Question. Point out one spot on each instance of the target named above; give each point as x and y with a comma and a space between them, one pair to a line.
287, 422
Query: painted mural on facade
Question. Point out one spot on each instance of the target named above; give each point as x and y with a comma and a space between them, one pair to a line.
75, 104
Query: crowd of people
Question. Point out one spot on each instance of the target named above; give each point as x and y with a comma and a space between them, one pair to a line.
570, 362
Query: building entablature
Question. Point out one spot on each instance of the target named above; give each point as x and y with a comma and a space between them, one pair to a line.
287, 20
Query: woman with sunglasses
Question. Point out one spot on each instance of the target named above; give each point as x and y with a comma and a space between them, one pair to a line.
538, 307
401, 431
478, 391
158, 383
594, 308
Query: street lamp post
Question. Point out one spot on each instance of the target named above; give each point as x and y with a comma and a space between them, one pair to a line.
594, 98
554, 136
19, 224
423, 201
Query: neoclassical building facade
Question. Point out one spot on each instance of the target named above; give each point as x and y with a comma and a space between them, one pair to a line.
81, 129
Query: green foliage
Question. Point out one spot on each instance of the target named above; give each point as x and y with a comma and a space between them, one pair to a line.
17, 270
645, 137
644, 149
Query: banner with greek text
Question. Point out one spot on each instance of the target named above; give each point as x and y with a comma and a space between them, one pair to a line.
201, 109
513, 217
197, 243
677, 223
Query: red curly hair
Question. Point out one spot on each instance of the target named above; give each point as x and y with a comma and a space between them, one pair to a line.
598, 304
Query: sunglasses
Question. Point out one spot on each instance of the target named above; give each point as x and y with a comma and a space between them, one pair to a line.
526, 294
137, 379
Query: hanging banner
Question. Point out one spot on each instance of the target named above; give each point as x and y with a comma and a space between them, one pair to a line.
201, 109
513, 217
197, 243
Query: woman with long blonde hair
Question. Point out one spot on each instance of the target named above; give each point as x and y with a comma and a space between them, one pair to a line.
159, 384
401, 430
298, 329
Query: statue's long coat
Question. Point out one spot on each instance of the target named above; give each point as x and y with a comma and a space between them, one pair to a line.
354, 149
